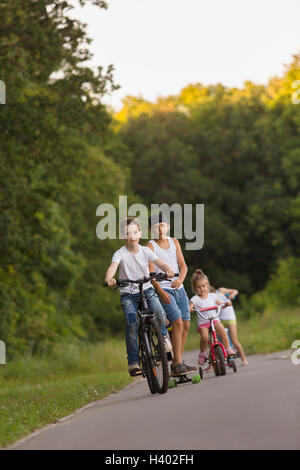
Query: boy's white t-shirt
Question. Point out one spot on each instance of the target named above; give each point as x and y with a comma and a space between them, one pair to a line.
209, 301
134, 266
227, 313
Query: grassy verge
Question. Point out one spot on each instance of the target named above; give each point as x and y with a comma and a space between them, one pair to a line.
262, 334
38, 391
273, 331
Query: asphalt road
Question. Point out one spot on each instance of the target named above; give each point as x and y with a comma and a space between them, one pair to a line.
256, 408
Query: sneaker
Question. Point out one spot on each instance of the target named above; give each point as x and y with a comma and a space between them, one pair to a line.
168, 345
202, 358
189, 368
178, 370
134, 370
230, 352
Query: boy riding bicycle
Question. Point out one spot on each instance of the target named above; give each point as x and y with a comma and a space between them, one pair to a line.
133, 262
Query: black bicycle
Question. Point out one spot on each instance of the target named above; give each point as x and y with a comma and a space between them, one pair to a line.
152, 353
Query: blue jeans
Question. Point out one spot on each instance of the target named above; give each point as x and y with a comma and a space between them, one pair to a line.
179, 306
129, 304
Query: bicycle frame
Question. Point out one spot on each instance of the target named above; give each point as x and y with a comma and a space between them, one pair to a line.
143, 314
213, 341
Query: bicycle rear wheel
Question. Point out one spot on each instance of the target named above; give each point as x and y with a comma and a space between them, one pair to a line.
157, 360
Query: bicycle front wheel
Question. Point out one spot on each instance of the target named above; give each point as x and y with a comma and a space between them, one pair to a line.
157, 360
220, 360
145, 360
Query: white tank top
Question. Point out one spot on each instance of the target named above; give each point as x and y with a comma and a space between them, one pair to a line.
227, 313
168, 256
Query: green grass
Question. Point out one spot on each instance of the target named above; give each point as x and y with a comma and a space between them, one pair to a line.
273, 331
38, 391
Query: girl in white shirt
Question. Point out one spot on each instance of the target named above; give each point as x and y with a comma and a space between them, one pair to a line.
228, 319
203, 298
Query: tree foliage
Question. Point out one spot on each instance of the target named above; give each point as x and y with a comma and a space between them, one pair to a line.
237, 152
54, 173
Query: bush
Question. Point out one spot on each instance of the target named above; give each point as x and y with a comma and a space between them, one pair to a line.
282, 290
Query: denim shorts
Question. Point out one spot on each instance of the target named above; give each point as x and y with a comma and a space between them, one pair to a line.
179, 306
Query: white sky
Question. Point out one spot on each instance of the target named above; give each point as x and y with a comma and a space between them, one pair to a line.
160, 46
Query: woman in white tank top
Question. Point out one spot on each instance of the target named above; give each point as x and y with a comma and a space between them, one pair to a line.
228, 319
170, 255
172, 294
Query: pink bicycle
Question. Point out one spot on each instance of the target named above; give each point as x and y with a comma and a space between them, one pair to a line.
217, 356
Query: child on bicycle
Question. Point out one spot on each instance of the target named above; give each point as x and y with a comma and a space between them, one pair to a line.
228, 319
172, 294
133, 262
204, 298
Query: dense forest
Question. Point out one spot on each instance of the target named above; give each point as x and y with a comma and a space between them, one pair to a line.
62, 153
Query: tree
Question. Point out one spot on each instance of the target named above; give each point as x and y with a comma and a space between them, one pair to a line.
53, 113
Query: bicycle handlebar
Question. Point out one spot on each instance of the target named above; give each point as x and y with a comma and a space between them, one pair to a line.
205, 309
142, 280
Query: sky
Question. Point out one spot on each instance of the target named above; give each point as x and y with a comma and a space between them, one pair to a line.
160, 46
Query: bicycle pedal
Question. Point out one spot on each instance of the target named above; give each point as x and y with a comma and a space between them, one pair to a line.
137, 374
